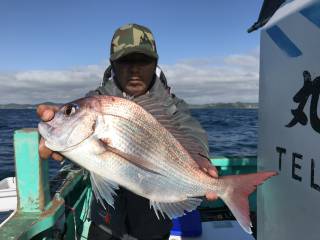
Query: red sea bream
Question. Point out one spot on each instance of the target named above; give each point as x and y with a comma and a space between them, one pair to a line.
138, 145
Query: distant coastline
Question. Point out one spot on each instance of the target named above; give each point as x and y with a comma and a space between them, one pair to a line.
236, 105
24, 106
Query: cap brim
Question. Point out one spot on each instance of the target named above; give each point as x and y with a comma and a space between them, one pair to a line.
131, 50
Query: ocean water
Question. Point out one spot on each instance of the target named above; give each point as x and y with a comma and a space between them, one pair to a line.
11, 120
231, 132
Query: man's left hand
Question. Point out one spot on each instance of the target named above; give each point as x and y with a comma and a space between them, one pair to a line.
211, 170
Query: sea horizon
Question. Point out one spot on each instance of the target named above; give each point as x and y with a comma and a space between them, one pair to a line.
220, 105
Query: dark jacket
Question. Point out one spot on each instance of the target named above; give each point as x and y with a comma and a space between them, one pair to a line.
132, 214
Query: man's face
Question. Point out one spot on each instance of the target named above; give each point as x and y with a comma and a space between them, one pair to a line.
134, 73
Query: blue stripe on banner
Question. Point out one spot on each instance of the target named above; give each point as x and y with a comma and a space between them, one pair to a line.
283, 42
312, 13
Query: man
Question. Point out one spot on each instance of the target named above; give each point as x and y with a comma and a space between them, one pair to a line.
133, 73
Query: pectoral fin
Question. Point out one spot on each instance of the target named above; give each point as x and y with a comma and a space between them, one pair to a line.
103, 189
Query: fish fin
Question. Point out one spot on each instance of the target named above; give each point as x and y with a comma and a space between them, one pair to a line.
237, 190
104, 189
164, 110
139, 162
175, 209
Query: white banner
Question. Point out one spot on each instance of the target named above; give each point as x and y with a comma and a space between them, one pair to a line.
289, 118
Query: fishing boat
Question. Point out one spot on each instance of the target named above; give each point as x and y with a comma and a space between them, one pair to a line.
286, 206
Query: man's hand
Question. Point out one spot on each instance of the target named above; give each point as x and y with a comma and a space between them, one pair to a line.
46, 113
211, 170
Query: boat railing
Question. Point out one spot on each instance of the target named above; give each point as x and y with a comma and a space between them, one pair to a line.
42, 213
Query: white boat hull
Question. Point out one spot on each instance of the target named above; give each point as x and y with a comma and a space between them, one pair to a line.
8, 194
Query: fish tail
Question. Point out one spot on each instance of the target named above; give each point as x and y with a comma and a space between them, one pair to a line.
237, 189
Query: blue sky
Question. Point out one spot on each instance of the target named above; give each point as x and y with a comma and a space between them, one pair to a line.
59, 36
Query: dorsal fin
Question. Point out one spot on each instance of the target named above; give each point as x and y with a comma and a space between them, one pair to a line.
165, 111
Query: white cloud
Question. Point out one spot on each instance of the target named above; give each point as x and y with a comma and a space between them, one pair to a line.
233, 78
230, 79
57, 86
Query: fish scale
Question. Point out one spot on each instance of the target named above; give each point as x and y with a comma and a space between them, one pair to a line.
180, 170
153, 157
154, 184
126, 134
124, 138
124, 131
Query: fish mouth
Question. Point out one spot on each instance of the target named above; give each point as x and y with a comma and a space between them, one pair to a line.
46, 130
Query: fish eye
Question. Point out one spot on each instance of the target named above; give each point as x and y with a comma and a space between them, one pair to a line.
70, 109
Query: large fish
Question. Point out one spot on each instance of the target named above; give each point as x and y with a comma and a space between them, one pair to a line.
138, 145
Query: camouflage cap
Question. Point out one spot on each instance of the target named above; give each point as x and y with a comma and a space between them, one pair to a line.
132, 38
